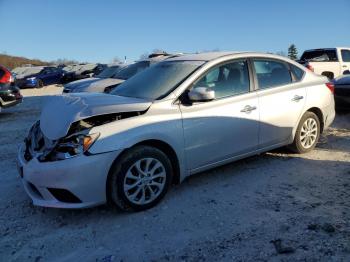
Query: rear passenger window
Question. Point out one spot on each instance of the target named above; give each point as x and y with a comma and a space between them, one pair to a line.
227, 80
345, 54
320, 55
271, 73
297, 72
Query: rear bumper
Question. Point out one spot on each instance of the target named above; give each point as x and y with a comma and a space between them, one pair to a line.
342, 102
10, 98
81, 180
329, 114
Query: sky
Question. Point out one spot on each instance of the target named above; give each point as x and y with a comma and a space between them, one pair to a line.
98, 31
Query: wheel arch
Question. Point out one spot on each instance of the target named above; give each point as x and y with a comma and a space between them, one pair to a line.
319, 114
169, 151
328, 74
159, 144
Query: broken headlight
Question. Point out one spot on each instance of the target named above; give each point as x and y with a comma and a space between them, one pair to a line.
74, 145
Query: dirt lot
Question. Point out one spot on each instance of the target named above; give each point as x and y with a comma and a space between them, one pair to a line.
276, 206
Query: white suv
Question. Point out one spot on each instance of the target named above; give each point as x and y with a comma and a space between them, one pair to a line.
330, 62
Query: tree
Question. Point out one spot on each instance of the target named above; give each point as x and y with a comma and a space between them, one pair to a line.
293, 52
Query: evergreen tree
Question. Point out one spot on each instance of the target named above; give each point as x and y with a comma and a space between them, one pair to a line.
292, 52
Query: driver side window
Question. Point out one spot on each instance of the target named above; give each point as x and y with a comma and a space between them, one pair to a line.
227, 80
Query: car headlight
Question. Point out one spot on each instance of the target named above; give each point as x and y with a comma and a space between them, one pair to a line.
31, 78
74, 145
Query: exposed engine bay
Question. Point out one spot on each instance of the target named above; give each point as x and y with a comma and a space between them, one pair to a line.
76, 142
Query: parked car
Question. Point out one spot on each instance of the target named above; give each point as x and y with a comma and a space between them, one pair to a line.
342, 93
106, 85
18, 71
181, 116
39, 76
109, 72
330, 62
9, 92
81, 71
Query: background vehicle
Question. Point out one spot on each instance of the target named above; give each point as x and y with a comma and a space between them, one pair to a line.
38, 76
178, 117
81, 71
342, 93
108, 72
330, 62
106, 85
9, 93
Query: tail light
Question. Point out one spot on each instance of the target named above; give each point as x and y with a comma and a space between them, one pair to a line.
330, 87
308, 66
7, 77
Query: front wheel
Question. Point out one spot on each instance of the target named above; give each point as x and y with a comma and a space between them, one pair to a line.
40, 84
307, 134
140, 178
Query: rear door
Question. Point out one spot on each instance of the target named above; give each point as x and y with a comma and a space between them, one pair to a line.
345, 66
281, 100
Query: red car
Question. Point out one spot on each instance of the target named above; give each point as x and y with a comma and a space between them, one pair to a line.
9, 92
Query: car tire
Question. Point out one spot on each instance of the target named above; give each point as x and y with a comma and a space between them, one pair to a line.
307, 133
139, 179
40, 84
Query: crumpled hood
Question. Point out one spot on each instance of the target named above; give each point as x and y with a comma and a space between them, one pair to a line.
81, 83
98, 86
61, 111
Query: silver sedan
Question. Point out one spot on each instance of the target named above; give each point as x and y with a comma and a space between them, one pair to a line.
179, 117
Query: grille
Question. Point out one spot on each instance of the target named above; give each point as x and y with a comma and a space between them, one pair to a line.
36, 143
64, 195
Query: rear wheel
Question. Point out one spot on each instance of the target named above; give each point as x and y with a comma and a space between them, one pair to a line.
307, 134
140, 178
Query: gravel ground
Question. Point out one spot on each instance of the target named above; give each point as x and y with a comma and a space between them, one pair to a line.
272, 207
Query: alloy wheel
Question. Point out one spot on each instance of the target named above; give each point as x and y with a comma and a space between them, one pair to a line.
144, 181
308, 133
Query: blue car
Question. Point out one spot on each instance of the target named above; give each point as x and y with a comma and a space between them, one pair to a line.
39, 76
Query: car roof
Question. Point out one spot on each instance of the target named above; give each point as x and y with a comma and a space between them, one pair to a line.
208, 56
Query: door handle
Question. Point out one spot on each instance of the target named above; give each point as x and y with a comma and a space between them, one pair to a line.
296, 98
345, 66
247, 109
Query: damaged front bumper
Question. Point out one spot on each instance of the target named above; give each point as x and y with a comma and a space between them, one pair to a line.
77, 182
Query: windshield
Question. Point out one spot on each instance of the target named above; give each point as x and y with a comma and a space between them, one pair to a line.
158, 80
132, 70
109, 72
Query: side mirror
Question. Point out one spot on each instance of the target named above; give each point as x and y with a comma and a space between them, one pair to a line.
201, 94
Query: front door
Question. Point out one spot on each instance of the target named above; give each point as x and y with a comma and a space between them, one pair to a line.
227, 126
